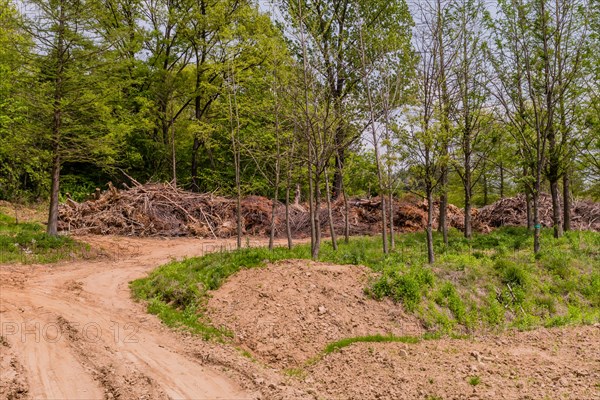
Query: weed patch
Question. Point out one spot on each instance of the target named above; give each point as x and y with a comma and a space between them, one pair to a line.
28, 243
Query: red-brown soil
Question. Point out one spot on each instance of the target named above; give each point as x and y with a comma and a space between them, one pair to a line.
543, 364
286, 313
88, 301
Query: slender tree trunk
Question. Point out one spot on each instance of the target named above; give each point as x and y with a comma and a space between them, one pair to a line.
288, 187
553, 176
238, 189
376, 148
429, 229
536, 220
272, 232
330, 212
338, 173
443, 218
238, 206
468, 225
317, 217
501, 180
274, 208
386, 249
277, 172
445, 110
173, 153
391, 217
52, 228
346, 215
311, 206
467, 183
536, 196
554, 191
288, 228
315, 230
566, 202
390, 180
235, 129
528, 203
339, 168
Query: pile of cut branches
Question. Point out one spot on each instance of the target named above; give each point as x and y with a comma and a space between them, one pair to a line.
164, 210
512, 211
160, 210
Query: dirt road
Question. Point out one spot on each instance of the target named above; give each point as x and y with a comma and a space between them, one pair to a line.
72, 331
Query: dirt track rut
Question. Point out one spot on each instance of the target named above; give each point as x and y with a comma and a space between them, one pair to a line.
72, 330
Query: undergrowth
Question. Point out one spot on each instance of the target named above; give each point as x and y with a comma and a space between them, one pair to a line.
27, 242
492, 282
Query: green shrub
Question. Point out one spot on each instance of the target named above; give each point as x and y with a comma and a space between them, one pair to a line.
558, 262
547, 304
493, 311
449, 297
407, 288
474, 380
591, 289
511, 273
27, 242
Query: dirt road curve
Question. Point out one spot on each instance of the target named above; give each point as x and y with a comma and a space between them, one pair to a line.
72, 331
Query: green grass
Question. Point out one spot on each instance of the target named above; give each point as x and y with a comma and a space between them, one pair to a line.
474, 380
28, 243
492, 282
335, 346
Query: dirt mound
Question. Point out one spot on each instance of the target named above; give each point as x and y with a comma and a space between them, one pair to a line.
512, 211
163, 210
557, 364
288, 312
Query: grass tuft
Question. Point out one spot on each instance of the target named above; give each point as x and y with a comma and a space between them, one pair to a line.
336, 346
474, 380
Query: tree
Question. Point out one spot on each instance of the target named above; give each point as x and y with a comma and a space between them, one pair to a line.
423, 140
378, 164
532, 35
66, 60
22, 165
331, 28
328, 34
444, 42
469, 70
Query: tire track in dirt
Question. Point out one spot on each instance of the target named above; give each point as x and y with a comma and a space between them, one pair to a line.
12, 382
120, 380
45, 357
79, 334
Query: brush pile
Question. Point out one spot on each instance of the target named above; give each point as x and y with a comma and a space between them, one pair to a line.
512, 211
164, 210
